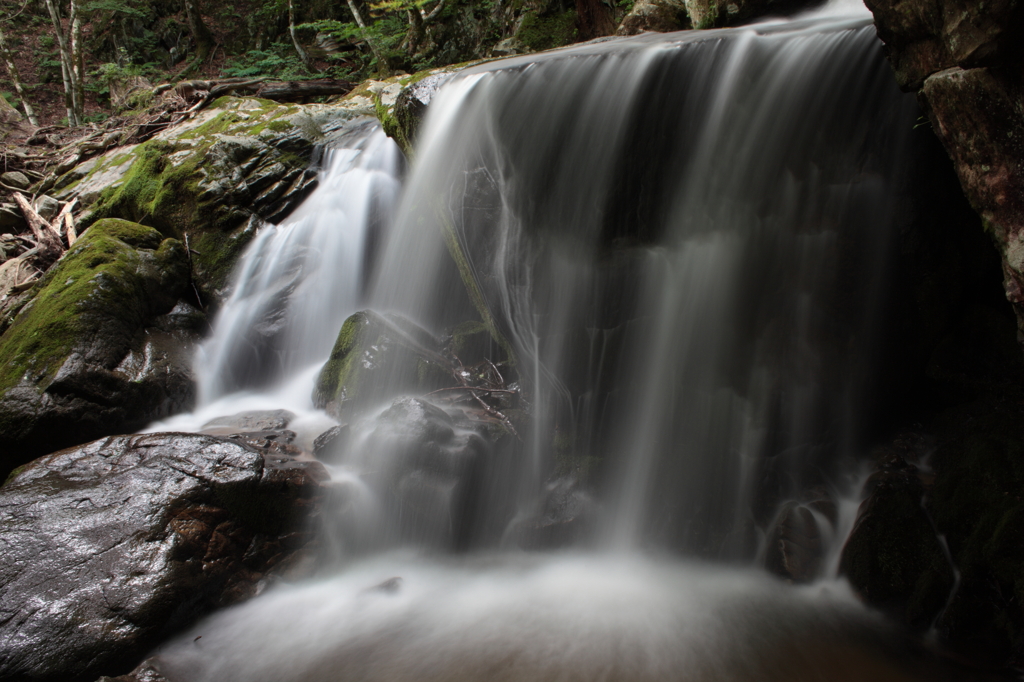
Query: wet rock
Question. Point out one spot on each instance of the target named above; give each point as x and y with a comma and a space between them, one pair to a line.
564, 517
427, 469
252, 420
15, 179
103, 347
400, 103
328, 444
146, 672
111, 546
977, 115
279, 442
893, 556
377, 357
795, 545
923, 37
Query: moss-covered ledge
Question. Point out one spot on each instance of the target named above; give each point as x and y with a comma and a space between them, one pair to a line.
102, 346
212, 179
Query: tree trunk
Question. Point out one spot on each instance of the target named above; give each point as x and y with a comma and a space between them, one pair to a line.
200, 34
303, 57
66, 70
385, 66
414, 36
77, 61
12, 70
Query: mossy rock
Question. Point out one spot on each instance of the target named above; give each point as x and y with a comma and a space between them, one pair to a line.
545, 32
213, 179
97, 350
375, 358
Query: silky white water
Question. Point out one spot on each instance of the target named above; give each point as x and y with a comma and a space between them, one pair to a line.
685, 240
294, 286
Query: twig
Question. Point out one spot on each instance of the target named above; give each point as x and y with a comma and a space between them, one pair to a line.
191, 279
471, 388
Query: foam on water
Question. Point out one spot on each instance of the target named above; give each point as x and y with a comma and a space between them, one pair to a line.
489, 618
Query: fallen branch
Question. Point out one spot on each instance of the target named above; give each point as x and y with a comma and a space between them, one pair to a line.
63, 216
47, 238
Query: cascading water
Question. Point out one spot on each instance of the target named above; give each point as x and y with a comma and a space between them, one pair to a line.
684, 239
296, 284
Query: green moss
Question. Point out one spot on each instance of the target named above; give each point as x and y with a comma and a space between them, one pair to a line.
279, 126
544, 33
14, 474
104, 277
391, 125
337, 374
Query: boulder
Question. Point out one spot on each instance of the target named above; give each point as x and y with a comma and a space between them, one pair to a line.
564, 515
15, 179
795, 547
400, 102
894, 557
253, 420
114, 545
427, 468
979, 116
11, 220
377, 357
661, 16
104, 345
676, 15
47, 207
923, 37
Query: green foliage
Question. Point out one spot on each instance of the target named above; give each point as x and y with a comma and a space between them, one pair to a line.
279, 61
545, 33
116, 7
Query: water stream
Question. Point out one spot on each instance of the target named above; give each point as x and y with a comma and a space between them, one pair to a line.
686, 240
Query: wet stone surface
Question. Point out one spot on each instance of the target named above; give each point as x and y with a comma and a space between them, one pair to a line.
110, 547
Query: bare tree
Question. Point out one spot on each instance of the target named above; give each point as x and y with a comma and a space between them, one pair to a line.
382, 60
71, 66
12, 70
200, 34
303, 57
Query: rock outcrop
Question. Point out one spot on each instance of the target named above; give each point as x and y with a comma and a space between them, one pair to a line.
114, 545
103, 346
427, 469
377, 357
964, 60
213, 179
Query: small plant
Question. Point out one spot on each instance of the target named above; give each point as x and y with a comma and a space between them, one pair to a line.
279, 61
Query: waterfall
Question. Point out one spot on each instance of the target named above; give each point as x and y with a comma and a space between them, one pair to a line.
685, 240
295, 284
